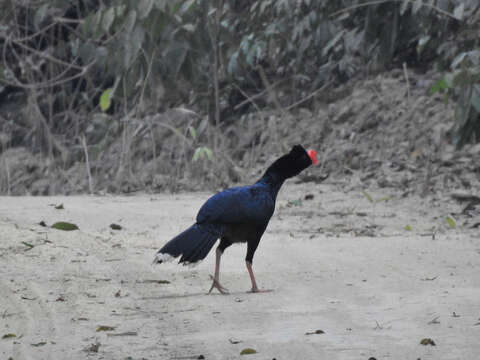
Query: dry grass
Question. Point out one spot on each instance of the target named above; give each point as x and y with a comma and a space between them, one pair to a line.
368, 131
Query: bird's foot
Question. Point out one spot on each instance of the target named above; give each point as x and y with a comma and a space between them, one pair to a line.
257, 290
216, 284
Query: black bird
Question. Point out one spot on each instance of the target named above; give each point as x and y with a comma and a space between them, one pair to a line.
238, 214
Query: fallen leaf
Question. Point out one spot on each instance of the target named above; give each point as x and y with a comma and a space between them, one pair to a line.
65, 226
93, 348
41, 343
429, 279
297, 202
248, 351
115, 227
105, 328
59, 207
450, 221
427, 341
315, 332
8, 336
30, 246
152, 281
368, 196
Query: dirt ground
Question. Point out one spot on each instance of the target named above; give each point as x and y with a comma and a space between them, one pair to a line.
376, 278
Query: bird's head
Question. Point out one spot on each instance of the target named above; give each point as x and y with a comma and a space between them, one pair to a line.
293, 163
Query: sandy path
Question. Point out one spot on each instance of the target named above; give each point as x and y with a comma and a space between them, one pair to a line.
373, 296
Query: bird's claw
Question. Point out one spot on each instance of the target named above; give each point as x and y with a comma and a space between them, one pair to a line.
216, 284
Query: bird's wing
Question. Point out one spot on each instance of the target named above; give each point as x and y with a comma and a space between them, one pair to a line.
238, 205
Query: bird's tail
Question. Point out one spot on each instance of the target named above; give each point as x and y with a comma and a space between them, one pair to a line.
193, 244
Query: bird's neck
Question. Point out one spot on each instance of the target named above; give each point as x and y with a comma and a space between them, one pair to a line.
274, 181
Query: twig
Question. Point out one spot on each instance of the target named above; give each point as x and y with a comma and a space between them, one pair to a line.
378, 326
87, 164
126, 333
405, 71
30, 36
58, 80
175, 131
274, 97
64, 20
7, 168
214, 39
269, 88
253, 97
301, 101
250, 99
46, 56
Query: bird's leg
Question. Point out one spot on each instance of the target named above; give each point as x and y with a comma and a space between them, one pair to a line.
255, 288
216, 279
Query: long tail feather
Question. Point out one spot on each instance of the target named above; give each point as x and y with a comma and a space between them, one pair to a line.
193, 244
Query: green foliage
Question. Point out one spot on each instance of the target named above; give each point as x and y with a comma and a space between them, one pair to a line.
202, 152
105, 99
28, 245
372, 200
439, 87
451, 222
75, 61
287, 37
318, 40
368, 197
465, 82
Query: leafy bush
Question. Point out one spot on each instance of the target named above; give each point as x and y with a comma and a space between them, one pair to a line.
463, 82
314, 42
88, 74
63, 55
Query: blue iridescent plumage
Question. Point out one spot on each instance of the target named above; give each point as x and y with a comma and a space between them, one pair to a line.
238, 214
